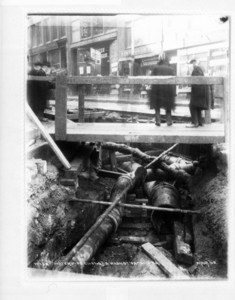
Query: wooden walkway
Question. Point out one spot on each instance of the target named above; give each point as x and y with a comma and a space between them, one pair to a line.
63, 130
141, 133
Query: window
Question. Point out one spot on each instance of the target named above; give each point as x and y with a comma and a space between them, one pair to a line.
75, 27
54, 28
38, 34
98, 27
47, 32
63, 58
128, 36
33, 35
85, 27
110, 23
54, 58
62, 28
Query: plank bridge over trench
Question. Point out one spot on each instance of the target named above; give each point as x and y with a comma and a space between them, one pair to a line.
128, 132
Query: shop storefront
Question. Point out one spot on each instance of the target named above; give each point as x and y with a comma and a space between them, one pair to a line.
54, 54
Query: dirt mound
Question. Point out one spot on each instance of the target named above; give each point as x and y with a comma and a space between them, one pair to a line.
211, 195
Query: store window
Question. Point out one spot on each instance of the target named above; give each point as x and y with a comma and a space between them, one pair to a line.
39, 34
63, 57
54, 58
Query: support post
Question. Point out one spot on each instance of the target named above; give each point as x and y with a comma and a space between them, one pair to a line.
61, 107
81, 98
113, 160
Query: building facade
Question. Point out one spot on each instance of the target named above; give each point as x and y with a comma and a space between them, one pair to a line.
128, 45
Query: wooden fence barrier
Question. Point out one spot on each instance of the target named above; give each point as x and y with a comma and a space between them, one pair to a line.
62, 82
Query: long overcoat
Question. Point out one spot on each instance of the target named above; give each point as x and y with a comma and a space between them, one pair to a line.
37, 92
200, 97
163, 96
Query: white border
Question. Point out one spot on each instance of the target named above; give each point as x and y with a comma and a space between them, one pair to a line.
13, 284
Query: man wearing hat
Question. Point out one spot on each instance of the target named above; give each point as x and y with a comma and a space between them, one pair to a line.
163, 96
37, 91
199, 98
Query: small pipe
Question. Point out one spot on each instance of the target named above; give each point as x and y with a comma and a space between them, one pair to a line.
161, 155
176, 210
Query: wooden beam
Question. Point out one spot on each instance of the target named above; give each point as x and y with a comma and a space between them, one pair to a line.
144, 133
47, 137
163, 262
41, 78
198, 80
81, 102
61, 107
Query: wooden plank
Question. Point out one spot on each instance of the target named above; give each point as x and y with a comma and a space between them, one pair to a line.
48, 138
164, 263
144, 133
40, 78
61, 107
145, 80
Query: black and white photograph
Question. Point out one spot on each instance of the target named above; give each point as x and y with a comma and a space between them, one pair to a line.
117, 150
127, 145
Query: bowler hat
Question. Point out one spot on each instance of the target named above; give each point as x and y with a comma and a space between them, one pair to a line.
192, 61
38, 63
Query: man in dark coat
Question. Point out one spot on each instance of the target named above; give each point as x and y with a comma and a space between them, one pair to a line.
37, 91
199, 98
163, 96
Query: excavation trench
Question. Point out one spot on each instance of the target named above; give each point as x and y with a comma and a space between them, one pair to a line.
130, 212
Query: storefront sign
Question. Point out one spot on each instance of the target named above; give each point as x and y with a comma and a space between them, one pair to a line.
174, 60
104, 55
88, 69
114, 66
95, 55
101, 50
149, 63
81, 70
125, 53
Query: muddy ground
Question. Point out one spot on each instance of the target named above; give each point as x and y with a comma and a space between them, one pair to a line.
56, 224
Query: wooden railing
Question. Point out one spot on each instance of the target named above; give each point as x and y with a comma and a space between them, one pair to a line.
62, 82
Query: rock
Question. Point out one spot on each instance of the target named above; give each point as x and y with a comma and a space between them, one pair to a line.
41, 165
183, 253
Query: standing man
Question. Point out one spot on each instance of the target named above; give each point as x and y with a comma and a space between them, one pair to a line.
37, 91
163, 96
199, 98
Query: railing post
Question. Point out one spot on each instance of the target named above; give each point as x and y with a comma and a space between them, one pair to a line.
208, 111
61, 106
81, 97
